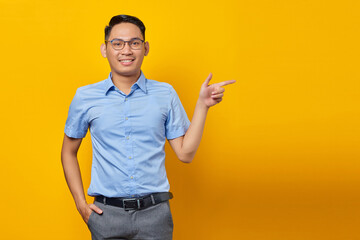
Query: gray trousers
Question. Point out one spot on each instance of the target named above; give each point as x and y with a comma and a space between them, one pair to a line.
152, 223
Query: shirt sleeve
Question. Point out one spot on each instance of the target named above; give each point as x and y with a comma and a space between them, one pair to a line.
76, 125
177, 121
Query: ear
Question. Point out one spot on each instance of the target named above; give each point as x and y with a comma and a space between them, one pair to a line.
147, 48
103, 50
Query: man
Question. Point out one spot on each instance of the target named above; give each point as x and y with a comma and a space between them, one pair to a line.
129, 118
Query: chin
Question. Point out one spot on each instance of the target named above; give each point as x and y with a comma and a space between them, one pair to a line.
129, 73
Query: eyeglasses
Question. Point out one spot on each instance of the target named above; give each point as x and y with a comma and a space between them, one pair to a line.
119, 44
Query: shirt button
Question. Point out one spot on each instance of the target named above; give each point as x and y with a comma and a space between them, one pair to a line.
127, 137
130, 157
131, 177
126, 118
126, 99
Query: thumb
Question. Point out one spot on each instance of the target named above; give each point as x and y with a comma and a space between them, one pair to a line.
95, 208
208, 79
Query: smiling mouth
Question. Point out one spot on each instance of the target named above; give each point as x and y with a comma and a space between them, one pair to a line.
127, 60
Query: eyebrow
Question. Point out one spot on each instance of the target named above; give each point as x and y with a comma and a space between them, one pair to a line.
136, 38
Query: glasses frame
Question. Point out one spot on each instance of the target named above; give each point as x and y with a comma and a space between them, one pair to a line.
128, 42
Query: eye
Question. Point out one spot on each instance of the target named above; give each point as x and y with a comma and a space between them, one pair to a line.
135, 43
117, 43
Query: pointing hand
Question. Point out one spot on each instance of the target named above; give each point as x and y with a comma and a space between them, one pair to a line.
212, 94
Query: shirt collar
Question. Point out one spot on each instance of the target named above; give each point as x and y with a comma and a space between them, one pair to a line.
141, 83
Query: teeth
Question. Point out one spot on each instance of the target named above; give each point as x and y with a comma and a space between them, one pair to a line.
125, 60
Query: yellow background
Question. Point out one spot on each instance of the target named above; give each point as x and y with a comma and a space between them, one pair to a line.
279, 159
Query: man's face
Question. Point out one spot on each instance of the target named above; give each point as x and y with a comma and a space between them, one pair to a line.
119, 59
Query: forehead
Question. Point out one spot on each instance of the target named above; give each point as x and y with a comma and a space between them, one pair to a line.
125, 31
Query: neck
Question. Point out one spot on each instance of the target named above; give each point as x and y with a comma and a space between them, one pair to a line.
124, 83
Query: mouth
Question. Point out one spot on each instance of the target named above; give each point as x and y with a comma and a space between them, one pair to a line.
126, 62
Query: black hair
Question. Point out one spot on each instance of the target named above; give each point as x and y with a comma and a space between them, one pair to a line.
124, 19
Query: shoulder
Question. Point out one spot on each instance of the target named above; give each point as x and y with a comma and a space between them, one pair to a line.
91, 90
98, 86
156, 86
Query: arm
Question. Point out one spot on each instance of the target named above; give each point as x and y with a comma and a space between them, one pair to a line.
186, 146
73, 176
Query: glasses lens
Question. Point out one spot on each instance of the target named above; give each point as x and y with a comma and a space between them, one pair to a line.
117, 44
135, 43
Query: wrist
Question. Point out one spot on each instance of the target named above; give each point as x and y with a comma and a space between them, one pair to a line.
201, 104
81, 205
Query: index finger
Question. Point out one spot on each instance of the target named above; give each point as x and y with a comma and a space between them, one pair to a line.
226, 83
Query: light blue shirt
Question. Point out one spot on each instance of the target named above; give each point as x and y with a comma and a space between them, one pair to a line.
128, 134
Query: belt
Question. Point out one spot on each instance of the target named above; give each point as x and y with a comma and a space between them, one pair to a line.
136, 203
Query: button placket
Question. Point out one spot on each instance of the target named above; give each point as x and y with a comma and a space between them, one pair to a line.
129, 143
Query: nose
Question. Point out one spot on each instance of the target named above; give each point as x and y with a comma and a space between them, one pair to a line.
126, 50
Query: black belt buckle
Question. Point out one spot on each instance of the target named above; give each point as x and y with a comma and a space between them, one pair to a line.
131, 203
